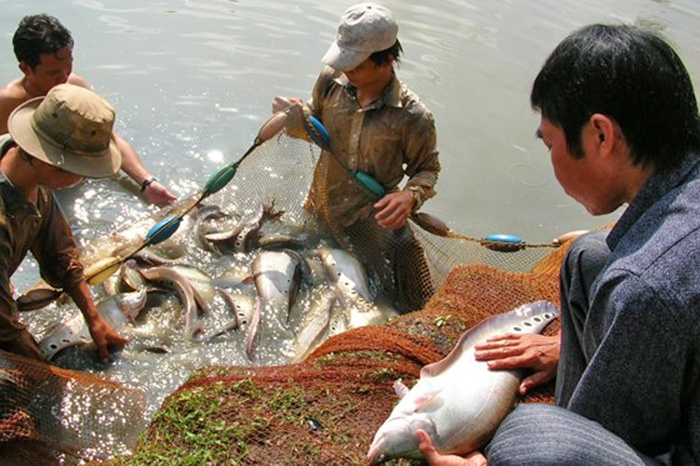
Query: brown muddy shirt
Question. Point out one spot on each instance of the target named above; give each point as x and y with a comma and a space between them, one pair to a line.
41, 229
389, 139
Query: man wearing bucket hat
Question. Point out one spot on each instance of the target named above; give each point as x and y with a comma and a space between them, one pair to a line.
44, 49
54, 142
380, 130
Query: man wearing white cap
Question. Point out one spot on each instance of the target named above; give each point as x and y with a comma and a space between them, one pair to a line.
378, 129
54, 142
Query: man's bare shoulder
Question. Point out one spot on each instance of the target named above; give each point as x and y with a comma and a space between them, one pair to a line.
14, 90
11, 96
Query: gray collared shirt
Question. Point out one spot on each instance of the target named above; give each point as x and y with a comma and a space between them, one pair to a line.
641, 339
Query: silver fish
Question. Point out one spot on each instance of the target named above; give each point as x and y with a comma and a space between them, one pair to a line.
242, 307
314, 327
235, 323
252, 336
117, 311
242, 237
169, 277
201, 228
277, 277
279, 240
348, 277
241, 300
458, 400
202, 285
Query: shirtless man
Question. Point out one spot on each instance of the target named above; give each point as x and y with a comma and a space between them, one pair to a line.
44, 49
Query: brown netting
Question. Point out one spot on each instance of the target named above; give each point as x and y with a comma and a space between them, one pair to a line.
50, 415
325, 410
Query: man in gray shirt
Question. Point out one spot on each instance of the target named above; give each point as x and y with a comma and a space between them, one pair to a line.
620, 120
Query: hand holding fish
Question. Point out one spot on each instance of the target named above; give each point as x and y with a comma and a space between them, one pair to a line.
459, 401
394, 209
434, 458
102, 334
526, 351
105, 337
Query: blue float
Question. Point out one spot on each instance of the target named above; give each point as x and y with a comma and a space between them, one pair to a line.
317, 132
502, 238
163, 230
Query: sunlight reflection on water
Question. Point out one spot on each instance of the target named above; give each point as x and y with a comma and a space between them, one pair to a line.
193, 80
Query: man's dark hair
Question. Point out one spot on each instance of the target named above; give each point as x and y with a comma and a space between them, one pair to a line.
382, 56
37, 35
630, 75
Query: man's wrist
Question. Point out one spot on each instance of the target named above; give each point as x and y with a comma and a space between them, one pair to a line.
147, 182
415, 194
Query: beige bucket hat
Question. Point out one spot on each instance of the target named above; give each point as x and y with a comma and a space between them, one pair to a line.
70, 128
364, 29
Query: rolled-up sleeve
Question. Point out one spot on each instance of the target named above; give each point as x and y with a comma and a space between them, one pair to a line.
55, 249
422, 163
9, 323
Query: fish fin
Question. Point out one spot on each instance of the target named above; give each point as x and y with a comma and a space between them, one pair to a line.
231, 302
400, 389
201, 302
253, 330
425, 399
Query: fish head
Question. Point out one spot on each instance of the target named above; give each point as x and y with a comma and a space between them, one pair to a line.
131, 304
396, 438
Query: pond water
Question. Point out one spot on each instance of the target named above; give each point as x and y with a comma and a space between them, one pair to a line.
192, 80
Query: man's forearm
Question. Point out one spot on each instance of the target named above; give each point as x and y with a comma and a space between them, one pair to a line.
131, 163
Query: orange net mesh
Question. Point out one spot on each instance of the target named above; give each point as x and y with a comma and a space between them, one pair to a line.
50, 415
326, 410
322, 411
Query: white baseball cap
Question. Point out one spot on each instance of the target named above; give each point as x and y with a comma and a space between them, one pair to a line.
364, 29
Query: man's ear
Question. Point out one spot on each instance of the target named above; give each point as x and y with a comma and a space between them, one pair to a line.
24, 68
606, 131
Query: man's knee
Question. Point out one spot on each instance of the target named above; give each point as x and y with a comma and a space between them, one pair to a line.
519, 438
542, 435
589, 251
585, 259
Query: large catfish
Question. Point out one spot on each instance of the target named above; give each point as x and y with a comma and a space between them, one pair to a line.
117, 311
458, 400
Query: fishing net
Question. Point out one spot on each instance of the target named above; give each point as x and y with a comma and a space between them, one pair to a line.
50, 415
324, 410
